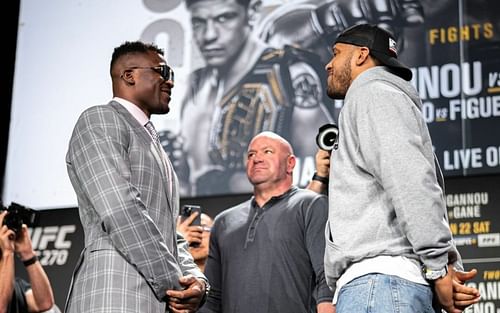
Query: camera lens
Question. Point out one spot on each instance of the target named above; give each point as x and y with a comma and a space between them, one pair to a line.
327, 137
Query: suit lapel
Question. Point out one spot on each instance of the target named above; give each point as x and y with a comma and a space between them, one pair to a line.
143, 134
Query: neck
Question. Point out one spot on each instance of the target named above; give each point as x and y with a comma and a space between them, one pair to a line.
264, 192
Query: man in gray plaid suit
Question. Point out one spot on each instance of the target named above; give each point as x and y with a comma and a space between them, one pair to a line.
133, 260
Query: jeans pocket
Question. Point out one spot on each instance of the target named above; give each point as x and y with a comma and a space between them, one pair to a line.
355, 295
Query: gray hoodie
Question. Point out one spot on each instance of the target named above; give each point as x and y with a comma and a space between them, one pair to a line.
384, 195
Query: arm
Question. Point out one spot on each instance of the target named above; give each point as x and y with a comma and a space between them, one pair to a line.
6, 264
397, 149
316, 216
186, 262
396, 146
194, 282
40, 297
214, 273
322, 159
325, 307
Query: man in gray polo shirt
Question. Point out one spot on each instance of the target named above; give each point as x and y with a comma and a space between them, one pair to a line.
266, 254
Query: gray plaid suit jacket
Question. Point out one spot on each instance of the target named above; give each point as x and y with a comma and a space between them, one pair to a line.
132, 252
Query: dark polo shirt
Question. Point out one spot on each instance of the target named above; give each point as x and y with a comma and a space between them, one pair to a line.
269, 259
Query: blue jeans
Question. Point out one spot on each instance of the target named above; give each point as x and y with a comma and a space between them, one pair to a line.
379, 293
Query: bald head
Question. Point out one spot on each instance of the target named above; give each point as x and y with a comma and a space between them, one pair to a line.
285, 145
270, 163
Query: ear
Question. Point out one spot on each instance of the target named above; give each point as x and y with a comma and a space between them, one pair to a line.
128, 77
291, 163
254, 12
363, 55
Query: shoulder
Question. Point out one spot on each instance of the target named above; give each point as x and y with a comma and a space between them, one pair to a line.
107, 118
307, 194
231, 218
310, 206
307, 198
97, 112
372, 89
234, 212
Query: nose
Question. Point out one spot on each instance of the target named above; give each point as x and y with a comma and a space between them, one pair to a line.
328, 66
257, 158
211, 32
169, 82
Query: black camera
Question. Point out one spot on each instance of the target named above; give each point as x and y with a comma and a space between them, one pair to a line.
327, 137
17, 216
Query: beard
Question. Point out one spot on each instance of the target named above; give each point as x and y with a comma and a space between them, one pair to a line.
339, 81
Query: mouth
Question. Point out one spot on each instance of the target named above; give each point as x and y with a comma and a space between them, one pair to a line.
259, 169
167, 91
212, 52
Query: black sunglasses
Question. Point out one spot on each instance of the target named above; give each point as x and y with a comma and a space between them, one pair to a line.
166, 72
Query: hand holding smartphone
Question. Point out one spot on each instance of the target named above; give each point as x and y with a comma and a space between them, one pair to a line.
186, 213
189, 209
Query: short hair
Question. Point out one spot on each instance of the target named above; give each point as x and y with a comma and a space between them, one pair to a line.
129, 47
244, 3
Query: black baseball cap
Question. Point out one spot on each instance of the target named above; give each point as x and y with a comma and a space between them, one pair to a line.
381, 43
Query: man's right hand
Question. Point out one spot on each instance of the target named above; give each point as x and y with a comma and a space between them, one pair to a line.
322, 159
452, 293
192, 234
464, 296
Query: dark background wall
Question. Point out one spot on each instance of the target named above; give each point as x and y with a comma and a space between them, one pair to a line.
8, 73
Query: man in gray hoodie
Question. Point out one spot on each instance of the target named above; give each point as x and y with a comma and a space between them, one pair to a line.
389, 246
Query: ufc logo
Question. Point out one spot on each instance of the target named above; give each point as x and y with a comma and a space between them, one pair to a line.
42, 236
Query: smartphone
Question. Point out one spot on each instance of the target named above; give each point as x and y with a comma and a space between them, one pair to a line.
189, 209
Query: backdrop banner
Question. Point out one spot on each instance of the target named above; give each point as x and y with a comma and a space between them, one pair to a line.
218, 104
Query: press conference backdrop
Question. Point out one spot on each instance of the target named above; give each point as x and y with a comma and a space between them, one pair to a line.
64, 49
62, 64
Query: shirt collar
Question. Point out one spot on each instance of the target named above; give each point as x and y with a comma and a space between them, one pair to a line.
274, 198
133, 109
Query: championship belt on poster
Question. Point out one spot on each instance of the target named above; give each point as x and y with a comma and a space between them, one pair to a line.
259, 102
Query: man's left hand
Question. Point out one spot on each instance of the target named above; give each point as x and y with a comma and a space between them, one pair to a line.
189, 299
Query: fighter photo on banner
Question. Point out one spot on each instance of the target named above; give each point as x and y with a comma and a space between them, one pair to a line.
264, 70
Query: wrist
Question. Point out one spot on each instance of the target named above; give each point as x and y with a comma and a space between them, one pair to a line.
30, 261
432, 275
26, 254
207, 290
322, 179
6, 253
